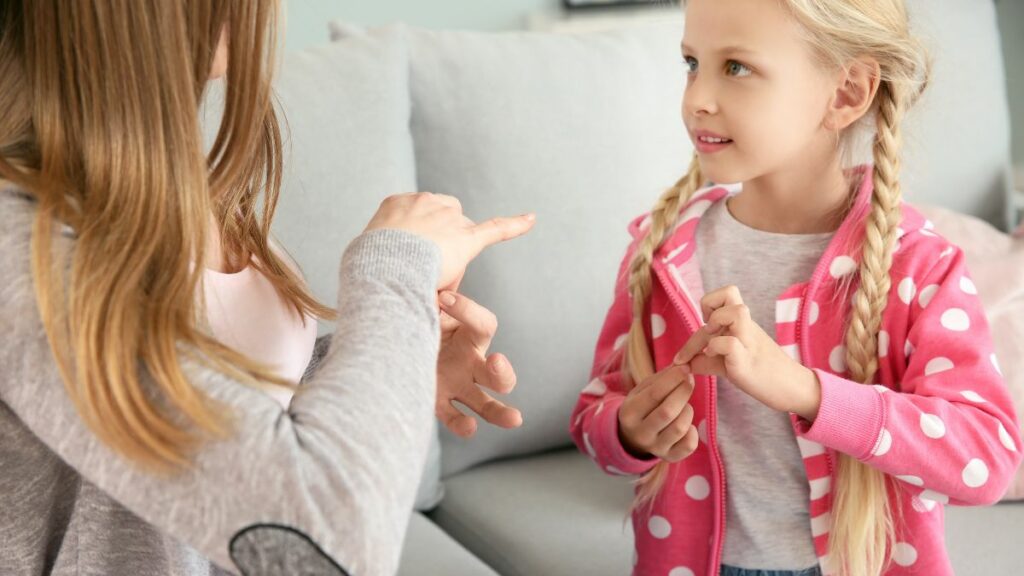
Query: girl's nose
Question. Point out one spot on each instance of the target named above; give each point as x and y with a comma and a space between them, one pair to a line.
698, 100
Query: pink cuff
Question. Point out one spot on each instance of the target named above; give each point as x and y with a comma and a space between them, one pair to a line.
850, 418
609, 446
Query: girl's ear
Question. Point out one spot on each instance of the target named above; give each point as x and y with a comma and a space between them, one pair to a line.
857, 85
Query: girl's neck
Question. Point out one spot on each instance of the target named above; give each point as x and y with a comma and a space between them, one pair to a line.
794, 201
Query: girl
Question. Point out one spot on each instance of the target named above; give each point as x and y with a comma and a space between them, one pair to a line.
134, 441
800, 372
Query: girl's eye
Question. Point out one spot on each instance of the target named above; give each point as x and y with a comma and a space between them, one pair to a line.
691, 64
734, 68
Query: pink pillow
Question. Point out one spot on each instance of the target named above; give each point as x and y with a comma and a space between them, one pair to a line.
996, 262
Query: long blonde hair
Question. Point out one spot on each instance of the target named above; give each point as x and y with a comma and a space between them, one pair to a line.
101, 103
863, 527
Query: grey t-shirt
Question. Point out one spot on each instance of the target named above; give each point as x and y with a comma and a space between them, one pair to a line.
767, 518
325, 486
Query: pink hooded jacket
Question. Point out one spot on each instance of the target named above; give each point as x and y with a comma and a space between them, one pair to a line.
939, 422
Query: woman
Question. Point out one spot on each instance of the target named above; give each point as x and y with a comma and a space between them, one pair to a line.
135, 441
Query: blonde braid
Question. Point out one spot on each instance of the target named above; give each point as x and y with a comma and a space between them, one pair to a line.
638, 362
859, 542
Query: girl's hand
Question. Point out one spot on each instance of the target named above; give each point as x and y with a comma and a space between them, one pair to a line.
439, 218
656, 417
732, 345
463, 366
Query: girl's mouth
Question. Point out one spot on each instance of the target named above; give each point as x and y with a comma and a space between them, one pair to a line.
710, 144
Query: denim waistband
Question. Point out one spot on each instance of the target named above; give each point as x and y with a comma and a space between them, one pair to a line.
733, 571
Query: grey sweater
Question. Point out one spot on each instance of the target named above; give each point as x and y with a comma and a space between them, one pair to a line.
325, 487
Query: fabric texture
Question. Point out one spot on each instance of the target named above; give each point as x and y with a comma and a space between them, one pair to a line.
337, 470
937, 422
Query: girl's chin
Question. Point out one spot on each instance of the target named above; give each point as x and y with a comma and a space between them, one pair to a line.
716, 169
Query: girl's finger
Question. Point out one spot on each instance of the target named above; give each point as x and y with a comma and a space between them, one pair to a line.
708, 365
693, 346
727, 296
669, 409
658, 387
686, 446
675, 431
725, 347
735, 318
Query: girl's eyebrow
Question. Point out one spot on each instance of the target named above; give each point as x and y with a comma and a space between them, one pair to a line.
725, 50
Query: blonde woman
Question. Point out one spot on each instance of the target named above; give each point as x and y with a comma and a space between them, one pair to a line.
798, 369
144, 432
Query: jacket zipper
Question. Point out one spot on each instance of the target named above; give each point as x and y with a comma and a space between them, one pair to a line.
717, 467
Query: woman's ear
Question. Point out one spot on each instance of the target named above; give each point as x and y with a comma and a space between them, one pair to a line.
857, 85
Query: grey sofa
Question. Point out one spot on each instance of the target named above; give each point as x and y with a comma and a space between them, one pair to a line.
584, 130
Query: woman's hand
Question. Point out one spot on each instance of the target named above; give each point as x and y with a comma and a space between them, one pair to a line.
463, 366
732, 345
656, 417
439, 218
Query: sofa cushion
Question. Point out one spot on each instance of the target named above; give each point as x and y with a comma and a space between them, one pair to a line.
556, 514
429, 551
584, 130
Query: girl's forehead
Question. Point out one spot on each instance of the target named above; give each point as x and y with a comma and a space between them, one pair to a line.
735, 25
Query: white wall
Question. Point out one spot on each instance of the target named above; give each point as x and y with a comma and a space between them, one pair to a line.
1011, 25
307, 19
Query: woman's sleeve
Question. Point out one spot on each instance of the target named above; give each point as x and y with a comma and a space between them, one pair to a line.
328, 484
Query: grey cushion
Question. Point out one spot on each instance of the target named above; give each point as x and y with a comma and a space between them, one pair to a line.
584, 130
986, 540
347, 107
428, 551
346, 122
556, 514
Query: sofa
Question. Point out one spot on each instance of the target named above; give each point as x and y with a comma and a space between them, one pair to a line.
583, 129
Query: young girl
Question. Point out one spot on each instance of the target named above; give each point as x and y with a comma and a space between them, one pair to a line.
800, 373
134, 440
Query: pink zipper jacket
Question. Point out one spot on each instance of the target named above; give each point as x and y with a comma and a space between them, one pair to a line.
939, 421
